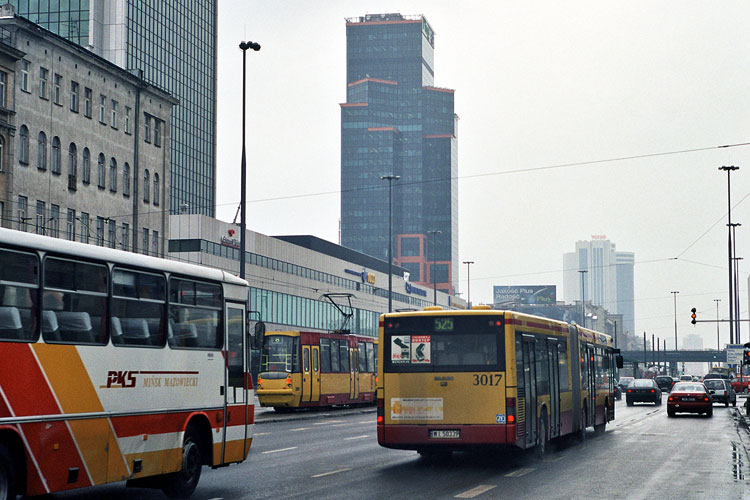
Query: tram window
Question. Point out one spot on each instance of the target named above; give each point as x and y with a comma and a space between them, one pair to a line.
362, 355
19, 300
74, 302
137, 316
334, 355
315, 361
371, 353
194, 314
325, 355
562, 350
306, 360
344, 355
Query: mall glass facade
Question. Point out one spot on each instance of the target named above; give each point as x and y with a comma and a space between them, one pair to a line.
174, 45
395, 122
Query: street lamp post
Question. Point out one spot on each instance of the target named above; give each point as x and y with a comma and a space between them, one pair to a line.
390, 179
243, 175
468, 282
434, 263
675, 318
718, 345
728, 170
583, 297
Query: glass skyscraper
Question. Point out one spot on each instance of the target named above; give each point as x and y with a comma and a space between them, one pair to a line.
173, 46
396, 122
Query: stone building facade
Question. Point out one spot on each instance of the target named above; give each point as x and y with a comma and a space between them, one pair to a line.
85, 143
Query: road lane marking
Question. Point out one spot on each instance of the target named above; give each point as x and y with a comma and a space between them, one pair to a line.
367, 422
356, 437
261, 434
476, 491
332, 472
329, 422
555, 459
520, 472
280, 449
340, 425
301, 429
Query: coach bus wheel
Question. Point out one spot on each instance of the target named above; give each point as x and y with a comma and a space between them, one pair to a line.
542, 437
7, 475
182, 483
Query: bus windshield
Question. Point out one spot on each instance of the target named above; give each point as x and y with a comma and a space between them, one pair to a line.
444, 343
280, 354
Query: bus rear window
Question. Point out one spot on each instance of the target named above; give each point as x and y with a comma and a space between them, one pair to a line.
425, 344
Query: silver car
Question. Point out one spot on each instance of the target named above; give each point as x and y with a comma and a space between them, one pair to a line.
721, 391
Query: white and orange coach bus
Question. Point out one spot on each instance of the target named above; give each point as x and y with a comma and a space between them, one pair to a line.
116, 366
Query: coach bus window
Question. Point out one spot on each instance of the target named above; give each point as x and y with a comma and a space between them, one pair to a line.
325, 355
194, 314
562, 350
362, 354
334, 355
19, 282
137, 316
280, 354
74, 303
344, 355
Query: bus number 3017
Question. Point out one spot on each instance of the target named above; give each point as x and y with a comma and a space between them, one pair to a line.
487, 379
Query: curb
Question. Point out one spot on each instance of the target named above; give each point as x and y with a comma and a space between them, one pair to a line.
303, 414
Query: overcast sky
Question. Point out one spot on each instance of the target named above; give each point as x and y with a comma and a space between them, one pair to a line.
538, 84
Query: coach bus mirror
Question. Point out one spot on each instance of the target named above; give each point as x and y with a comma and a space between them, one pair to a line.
618, 360
260, 333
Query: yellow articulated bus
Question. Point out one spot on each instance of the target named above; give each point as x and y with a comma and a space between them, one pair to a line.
454, 380
309, 369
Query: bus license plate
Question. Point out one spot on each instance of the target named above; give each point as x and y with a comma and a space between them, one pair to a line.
443, 434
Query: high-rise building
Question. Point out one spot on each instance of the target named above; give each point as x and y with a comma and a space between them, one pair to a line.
171, 45
599, 274
396, 122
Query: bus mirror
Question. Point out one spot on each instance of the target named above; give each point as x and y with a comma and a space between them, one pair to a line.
618, 360
260, 333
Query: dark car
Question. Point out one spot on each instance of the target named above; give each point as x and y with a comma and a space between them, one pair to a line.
618, 392
624, 382
721, 391
665, 382
689, 397
643, 390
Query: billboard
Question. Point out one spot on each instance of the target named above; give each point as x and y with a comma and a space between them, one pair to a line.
525, 294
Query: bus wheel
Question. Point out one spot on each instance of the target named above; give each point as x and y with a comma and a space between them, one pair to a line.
584, 420
600, 428
7, 475
182, 483
542, 437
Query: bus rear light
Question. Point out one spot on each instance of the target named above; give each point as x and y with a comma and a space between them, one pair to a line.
380, 419
510, 410
380, 405
510, 402
511, 419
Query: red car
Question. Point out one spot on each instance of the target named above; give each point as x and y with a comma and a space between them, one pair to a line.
689, 397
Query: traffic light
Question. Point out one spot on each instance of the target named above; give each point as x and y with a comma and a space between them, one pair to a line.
746, 355
693, 315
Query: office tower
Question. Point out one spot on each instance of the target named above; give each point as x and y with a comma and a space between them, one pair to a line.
171, 45
396, 122
606, 276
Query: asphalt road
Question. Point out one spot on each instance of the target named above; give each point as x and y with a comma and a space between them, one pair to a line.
334, 454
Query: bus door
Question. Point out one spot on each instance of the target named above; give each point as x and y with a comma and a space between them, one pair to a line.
235, 391
353, 374
315, 374
529, 382
591, 383
306, 375
554, 388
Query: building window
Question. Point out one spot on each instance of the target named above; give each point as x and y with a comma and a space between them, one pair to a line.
72, 161
84, 227
23, 153
157, 133
3, 87
145, 241
41, 151
41, 213
2, 158
155, 242
103, 109
111, 233
70, 233
126, 179
55, 168
57, 82
100, 171
115, 106
54, 221
25, 75
43, 77
145, 186
125, 236
156, 189
74, 96
113, 175
100, 231
23, 206
127, 119
86, 166
147, 129
87, 96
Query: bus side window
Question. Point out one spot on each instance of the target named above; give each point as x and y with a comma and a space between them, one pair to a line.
562, 349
